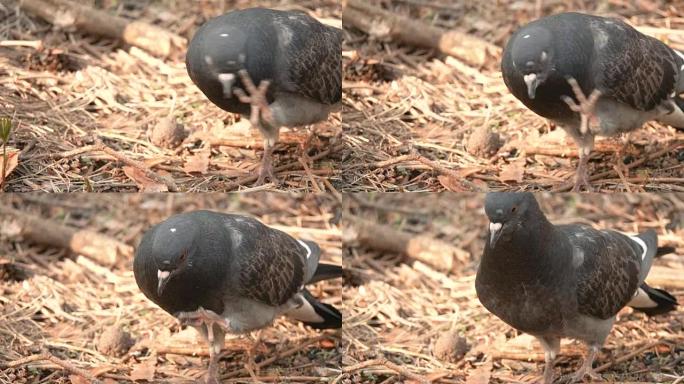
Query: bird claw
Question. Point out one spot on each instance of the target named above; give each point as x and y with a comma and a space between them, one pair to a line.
579, 376
266, 169
202, 316
586, 107
260, 110
211, 379
266, 172
582, 181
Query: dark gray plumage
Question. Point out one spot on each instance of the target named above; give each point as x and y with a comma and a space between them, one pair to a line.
639, 77
555, 281
301, 58
229, 273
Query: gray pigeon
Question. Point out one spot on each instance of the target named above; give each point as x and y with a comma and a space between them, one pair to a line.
299, 56
556, 281
228, 273
639, 78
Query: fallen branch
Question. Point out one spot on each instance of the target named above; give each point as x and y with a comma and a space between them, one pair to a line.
567, 151
101, 248
244, 141
384, 24
428, 250
68, 14
526, 348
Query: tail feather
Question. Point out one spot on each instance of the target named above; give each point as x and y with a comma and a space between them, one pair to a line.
315, 314
675, 118
652, 301
664, 250
325, 272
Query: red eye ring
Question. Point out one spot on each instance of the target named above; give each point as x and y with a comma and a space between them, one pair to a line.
515, 208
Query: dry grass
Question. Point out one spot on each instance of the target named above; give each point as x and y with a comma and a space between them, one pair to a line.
81, 87
397, 309
400, 99
51, 300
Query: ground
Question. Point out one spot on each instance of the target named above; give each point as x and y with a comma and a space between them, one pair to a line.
56, 301
409, 313
402, 101
80, 87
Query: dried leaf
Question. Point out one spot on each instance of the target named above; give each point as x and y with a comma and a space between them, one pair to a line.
12, 162
481, 374
513, 171
144, 370
450, 183
76, 379
327, 344
199, 162
143, 182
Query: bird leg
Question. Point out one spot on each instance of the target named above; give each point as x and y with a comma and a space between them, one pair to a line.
586, 109
581, 174
306, 144
261, 117
251, 352
215, 337
251, 366
586, 368
266, 169
215, 344
551, 348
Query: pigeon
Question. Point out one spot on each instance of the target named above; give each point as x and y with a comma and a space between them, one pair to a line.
296, 60
226, 273
562, 281
634, 78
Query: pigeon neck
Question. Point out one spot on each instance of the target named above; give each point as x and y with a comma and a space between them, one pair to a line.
536, 251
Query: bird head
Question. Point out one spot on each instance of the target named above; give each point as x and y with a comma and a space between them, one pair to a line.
506, 212
173, 249
533, 56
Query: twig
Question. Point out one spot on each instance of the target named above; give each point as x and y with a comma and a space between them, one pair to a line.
629, 355
430, 163
277, 356
568, 186
387, 364
99, 146
46, 356
170, 184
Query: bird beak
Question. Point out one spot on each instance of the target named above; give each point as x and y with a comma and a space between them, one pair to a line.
162, 279
532, 82
494, 233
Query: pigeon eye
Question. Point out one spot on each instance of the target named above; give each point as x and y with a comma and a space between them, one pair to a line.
515, 208
184, 255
